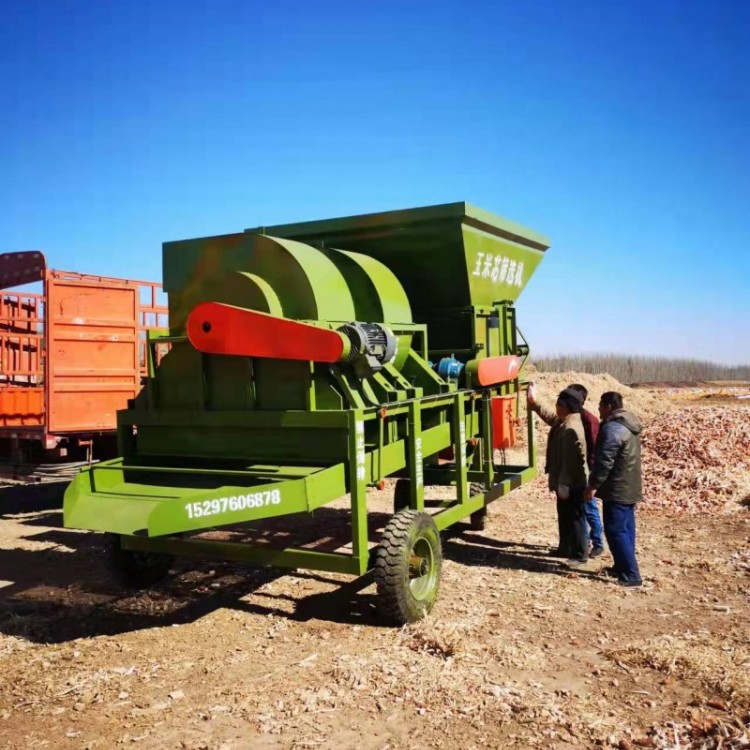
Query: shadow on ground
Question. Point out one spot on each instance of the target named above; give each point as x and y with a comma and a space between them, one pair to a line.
67, 590
475, 549
16, 499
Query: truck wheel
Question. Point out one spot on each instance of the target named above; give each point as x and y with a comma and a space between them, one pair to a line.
478, 519
138, 569
407, 567
401, 495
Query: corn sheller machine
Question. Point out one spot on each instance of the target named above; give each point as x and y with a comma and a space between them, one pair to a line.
312, 361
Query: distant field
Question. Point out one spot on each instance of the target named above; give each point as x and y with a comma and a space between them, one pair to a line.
635, 370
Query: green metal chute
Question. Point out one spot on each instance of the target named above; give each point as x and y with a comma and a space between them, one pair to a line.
154, 501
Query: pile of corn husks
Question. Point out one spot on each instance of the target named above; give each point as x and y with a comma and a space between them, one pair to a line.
646, 403
697, 460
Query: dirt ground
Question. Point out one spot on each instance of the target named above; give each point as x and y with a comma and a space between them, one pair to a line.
519, 652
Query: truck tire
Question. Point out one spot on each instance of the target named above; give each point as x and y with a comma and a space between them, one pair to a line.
408, 563
138, 569
478, 519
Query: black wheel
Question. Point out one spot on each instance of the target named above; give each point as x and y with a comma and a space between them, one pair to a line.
407, 567
138, 569
478, 519
401, 495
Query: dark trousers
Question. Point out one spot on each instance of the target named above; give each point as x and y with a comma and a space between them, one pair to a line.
619, 528
571, 521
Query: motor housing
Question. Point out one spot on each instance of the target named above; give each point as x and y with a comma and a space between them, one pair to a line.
372, 345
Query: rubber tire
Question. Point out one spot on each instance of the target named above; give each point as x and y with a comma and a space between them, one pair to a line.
397, 601
401, 495
138, 569
478, 519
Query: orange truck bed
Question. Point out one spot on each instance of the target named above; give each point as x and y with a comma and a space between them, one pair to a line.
73, 355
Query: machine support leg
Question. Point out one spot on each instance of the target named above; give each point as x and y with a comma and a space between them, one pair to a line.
458, 430
416, 459
487, 449
358, 488
381, 445
530, 435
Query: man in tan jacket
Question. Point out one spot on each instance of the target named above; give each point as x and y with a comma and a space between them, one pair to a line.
567, 470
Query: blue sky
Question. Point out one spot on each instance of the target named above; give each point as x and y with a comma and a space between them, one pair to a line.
620, 130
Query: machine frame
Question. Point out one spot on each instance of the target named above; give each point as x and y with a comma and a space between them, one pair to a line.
300, 372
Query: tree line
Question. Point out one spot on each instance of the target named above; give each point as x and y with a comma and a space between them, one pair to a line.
641, 369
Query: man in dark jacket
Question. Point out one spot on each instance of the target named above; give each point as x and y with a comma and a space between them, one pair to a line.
616, 479
591, 430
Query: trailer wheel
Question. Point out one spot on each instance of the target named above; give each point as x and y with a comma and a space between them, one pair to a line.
401, 495
478, 519
407, 567
138, 569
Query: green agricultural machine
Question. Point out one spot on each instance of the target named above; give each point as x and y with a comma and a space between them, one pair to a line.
308, 362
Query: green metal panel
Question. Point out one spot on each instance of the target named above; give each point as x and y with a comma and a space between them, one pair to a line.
305, 282
311, 287
498, 268
242, 443
378, 297
233, 287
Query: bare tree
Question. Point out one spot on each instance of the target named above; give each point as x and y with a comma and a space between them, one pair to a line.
631, 369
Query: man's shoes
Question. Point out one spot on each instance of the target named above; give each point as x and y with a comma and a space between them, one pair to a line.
574, 562
596, 551
630, 584
610, 572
